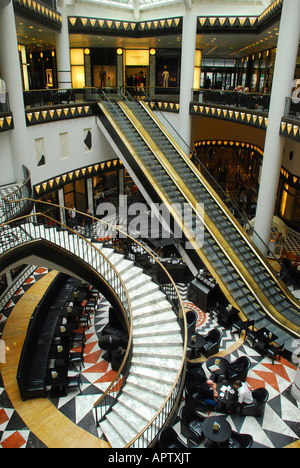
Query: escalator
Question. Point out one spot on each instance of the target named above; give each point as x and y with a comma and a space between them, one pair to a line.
165, 174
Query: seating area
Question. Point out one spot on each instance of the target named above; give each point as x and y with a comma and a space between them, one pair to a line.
277, 427
201, 424
55, 339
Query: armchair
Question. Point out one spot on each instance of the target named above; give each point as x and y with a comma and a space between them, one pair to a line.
191, 318
238, 369
191, 425
212, 343
192, 398
168, 438
238, 441
257, 408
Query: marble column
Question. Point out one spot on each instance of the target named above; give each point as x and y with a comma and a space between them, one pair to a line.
284, 72
11, 74
188, 48
63, 49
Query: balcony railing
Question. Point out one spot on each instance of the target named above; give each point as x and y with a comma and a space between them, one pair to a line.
4, 103
292, 108
251, 101
57, 97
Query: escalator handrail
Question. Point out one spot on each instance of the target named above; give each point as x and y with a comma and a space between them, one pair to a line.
230, 202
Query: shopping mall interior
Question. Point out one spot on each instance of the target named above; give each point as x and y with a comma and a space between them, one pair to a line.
150, 233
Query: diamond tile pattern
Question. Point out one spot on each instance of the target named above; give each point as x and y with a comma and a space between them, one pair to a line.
279, 427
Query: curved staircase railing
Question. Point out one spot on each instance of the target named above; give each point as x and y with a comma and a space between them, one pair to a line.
15, 203
121, 243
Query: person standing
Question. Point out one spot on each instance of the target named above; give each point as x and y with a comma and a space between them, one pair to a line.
73, 217
88, 223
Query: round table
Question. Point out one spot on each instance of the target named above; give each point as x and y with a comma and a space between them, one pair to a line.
198, 342
222, 363
109, 343
218, 436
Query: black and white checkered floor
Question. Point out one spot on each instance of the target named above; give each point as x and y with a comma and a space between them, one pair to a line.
279, 427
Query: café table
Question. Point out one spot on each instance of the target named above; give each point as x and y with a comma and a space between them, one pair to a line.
76, 311
227, 395
64, 330
262, 338
218, 366
57, 379
220, 435
195, 341
78, 298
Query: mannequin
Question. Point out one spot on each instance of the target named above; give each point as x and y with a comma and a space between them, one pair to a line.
166, 76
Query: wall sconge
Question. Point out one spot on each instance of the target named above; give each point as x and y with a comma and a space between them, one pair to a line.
87, 51
152, 51
120, 51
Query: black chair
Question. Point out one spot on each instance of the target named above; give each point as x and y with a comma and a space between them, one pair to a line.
273, 351
169, 439
257, 407
212, 343
195, 373
76, 358
191, 425
238, 369
240, 325
84, 320
237, 440
74, 383
192, 398
191, 318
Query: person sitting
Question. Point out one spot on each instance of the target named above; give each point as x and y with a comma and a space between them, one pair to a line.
244, 395
208, 393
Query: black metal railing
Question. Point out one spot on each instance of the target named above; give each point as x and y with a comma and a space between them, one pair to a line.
4, 103
15, 203
40, 226
251, 101
292, 108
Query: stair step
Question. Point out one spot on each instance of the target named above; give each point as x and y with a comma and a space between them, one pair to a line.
157, 362
161, 389
142, 412
145, 310
114, 438
160, 375
167, 340
121, 426
152, 297
157, 329
155, 317
146, 397
159, 351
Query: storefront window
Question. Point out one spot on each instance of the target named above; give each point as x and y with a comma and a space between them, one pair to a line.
75, 193
106, 188
290, 206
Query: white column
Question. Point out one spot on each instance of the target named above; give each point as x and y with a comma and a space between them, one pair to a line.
295, 391
188, 48
63, 49
284, 72
11, 74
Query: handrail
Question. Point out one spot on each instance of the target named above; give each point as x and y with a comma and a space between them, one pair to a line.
161, 415
123, 298
224, 197
17, 196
